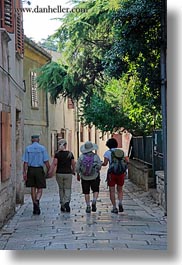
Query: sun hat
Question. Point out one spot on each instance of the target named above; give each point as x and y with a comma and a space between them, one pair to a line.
88, 147
62, 142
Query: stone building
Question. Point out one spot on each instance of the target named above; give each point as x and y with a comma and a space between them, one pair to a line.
11, 108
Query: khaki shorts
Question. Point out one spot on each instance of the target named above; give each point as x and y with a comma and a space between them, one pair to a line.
36, 177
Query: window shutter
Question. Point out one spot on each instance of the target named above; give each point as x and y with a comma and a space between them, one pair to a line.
34, 93
5, 146
19, 33
70, 103
7, 15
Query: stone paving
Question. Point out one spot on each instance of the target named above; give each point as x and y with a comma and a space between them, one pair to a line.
142, 225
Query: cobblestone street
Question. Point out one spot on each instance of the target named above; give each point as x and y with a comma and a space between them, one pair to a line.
142, 225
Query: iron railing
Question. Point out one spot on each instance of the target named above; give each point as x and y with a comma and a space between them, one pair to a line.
148, 149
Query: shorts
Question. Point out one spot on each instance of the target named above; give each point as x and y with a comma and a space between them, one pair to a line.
36, 177
92, 184
113, 179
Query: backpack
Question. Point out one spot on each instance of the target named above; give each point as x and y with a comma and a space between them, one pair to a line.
117, 166
87, 165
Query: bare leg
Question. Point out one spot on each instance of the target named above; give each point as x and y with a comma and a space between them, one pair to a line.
95, 196
87, 199
112, 196
36, 195
120, 198
120, 192
33, 194
39, 194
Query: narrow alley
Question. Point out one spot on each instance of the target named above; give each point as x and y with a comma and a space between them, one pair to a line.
142, 225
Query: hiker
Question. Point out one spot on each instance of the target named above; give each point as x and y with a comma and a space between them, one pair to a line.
116, 173
65, 169
88, 170
35, 156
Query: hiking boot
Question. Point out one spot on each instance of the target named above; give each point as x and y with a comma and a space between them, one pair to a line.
88, 209
121, 208
94, 209
114, 210
63, 209
67, 207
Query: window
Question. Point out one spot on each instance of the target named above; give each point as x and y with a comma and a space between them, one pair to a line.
70, 103
34, 93
7, 15
5, 146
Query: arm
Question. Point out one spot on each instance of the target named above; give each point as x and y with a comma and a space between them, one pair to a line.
46, 158
53, 166
25, 168
77, 169
98, 163
126, 159
106, 160
73, 166
47, 165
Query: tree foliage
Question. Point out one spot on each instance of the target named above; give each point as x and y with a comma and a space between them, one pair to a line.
105, 116
55, 79
137, 39
112, 58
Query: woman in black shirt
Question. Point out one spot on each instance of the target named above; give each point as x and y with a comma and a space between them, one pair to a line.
65, 168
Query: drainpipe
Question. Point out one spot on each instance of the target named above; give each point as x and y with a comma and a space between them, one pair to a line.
47, 111
164, 92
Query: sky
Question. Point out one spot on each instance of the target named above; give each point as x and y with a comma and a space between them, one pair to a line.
39, 26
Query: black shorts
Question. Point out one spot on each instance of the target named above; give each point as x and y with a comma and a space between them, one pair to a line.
36, 177
93, 184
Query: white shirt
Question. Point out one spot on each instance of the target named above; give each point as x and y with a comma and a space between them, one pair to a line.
107, 154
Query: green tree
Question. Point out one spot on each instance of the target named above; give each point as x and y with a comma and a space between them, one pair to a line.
84, 38
137, 38
102, 114
56, 80
112, 58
